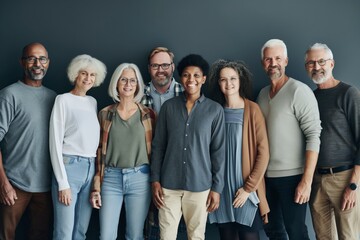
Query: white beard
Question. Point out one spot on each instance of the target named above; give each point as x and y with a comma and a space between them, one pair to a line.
320, 80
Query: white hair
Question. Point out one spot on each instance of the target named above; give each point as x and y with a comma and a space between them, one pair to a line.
83, 62
320, 46
113, 92
273, 43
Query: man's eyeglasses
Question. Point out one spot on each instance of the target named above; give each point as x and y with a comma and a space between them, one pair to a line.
164, 66
42, 60
321, 62
131, 81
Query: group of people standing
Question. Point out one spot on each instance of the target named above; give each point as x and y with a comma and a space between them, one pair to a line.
242, 165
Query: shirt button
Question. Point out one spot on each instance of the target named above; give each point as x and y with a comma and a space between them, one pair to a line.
187, 124
185, 135
184, 162
185, 149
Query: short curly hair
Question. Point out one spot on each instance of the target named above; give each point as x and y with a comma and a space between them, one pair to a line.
82, 62
193, 60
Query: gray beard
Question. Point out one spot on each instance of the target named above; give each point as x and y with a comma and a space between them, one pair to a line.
162, 83
322, 79
319, 80
275, 75
34, 77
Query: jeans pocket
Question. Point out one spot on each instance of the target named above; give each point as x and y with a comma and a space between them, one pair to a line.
145, 169
69, 159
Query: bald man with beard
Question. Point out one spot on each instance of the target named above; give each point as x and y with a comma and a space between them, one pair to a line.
25, 169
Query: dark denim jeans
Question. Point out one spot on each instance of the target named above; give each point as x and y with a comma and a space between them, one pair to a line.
286, 218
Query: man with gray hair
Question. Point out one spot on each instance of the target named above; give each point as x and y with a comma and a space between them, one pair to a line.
335, 196
292, 118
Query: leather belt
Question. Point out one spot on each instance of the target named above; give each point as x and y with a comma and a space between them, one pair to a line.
333, 170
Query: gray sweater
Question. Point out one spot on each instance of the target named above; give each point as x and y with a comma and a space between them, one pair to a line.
340, 116
24, 135
293, 125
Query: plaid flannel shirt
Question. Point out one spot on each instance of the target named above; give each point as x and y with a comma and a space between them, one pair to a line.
106, 116
148, 100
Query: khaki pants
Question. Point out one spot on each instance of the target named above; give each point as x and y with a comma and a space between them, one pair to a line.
192, 205
325, 206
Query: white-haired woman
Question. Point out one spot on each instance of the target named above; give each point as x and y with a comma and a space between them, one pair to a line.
122, 163
74, 138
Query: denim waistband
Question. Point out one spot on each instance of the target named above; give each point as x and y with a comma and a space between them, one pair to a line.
130, 170
75, 157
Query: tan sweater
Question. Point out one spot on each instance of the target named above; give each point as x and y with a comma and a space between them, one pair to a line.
255, 154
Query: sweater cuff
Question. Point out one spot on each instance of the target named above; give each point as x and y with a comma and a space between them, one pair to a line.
313, 147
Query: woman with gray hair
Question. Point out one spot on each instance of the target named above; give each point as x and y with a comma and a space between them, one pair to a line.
74, 137
243, 206
122, 163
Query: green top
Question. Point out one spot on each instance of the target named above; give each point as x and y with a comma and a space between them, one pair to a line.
126, 145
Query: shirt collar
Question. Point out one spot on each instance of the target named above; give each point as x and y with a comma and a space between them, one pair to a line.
200, 99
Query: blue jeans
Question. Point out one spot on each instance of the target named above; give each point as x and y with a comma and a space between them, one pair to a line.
286, 218
131, 185
71, 222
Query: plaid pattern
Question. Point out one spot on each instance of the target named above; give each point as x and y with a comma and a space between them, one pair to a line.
106, 116
147, 99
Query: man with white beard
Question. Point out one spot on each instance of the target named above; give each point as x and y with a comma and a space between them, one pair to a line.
335, 194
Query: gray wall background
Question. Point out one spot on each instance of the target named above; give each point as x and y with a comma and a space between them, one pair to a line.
117, 31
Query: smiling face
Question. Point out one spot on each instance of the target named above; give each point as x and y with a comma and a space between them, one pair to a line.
229, 82
274, 62
192, 79
159, 76
85, 80
319, 74
31, 62
127, 83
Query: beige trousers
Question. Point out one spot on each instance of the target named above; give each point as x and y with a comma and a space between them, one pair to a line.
325, 205
192, 205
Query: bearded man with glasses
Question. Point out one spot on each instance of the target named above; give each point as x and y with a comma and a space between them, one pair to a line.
162, 86
335, 195
25, 166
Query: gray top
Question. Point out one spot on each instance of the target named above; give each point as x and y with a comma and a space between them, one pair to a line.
233, 175
340, 116
188, 151
126, 145
293, 126
153, 99
160, 98
24, 135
